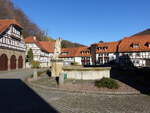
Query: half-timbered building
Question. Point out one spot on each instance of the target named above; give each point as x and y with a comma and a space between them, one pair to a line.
12, 46
135, 50
42, 50
104, 52
79, 55
130, 51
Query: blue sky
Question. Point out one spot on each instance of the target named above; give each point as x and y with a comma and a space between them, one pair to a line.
88, 21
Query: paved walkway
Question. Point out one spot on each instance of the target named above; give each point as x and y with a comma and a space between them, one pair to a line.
18, 74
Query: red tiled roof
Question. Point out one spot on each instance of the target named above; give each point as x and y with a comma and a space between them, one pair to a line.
30, 39
47, 46
126, 44
110, 47
84, 51
75, 52
5, 23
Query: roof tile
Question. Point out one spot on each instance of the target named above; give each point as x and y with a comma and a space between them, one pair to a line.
5, 23
47, 46
75, 52
126, 44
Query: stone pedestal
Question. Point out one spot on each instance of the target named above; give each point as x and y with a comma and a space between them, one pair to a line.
56, 69
61, 79
35, 76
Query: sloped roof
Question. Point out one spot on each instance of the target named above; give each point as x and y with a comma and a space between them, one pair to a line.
47, 46
111, 47
30, 39
5, 23
126, 44
75, 52
84, 51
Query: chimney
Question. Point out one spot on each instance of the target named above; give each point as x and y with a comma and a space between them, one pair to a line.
34, 37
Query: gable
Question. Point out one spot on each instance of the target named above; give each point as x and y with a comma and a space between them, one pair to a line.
5, 23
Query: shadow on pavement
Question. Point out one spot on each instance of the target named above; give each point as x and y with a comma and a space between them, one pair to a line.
17, 97
136, 78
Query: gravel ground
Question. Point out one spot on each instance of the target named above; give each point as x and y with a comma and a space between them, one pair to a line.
78, 85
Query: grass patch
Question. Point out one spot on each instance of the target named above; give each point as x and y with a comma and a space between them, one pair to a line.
107, 83
74, 63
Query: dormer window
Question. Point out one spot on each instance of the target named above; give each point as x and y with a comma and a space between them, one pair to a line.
98, 48
147, 44
82, 52
105, 47
102, 48
87, 52
135, 45
65, 53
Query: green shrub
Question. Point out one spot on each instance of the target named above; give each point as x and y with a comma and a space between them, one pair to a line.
35, 64
107, 82
74, 63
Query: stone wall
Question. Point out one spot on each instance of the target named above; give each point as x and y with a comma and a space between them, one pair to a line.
10, 52
83, 73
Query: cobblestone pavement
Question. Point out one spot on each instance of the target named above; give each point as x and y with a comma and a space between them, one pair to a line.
66, 102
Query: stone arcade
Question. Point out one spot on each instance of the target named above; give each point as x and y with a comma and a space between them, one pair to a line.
12, 46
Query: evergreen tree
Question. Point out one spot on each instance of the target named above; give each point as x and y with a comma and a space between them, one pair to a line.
29, 57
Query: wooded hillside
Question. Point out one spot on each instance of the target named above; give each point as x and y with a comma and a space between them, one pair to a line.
9, 11
145, 32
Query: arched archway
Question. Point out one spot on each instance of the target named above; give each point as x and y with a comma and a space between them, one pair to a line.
13, 62
20, 62
3, 62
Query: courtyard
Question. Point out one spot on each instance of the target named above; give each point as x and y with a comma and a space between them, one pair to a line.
17, 95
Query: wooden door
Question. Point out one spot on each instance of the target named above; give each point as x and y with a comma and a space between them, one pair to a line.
13, 62
3, 62
20, 62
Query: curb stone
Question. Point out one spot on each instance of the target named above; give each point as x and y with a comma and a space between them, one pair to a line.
85, 92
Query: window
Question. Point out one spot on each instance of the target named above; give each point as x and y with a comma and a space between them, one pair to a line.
135, 45
88, 58
102, 48
130, 54
100, 54
137, 61
65, 53
106, 54
82, 58
147, 44
105, 47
